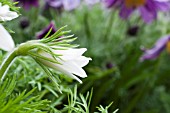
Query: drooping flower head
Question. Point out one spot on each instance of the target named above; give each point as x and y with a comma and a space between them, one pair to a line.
44, 32
70, 63
52, 52
148, 9
159, 46
62, 56
66, 4
27, 4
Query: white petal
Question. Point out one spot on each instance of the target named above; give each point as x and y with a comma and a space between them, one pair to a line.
6, 41
70, 53
71, 61
74, 77
6, 14
68, 74
60, 69
82, 61
73, 68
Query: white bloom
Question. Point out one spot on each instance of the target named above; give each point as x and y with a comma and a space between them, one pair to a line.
71, 61
6, 14
6, 41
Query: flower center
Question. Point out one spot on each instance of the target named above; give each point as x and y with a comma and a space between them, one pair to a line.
168, 46
134, 3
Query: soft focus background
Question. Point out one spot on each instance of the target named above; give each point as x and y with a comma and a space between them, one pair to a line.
115, 73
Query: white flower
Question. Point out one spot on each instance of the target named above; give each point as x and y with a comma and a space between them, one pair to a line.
71, 62
6, 41
6, 14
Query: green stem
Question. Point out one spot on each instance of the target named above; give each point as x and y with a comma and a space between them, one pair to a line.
6, 64
21, 50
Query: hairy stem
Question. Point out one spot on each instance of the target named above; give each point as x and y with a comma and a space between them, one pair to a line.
7, 63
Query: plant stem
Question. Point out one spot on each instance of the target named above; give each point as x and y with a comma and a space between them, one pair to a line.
7, 63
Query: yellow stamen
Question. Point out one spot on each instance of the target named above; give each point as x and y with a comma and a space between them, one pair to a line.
134, 3
168, 46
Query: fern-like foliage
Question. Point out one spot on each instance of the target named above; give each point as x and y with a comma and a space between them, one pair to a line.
23, 102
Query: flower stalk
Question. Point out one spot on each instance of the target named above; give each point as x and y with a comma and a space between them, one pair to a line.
7, 63
21, 50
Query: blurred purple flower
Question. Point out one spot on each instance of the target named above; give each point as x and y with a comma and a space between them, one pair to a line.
111, 3
26, 4
43, 33
92, 2
57, 4
147, 8
154, 52
70, 4
109, 65
66, 4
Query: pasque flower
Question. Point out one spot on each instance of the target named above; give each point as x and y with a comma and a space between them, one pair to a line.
148, 9
52, 52
6, 14
27, 4
69, 63
63, 57
155, 51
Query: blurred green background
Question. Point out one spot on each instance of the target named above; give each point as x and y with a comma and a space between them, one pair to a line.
115, 72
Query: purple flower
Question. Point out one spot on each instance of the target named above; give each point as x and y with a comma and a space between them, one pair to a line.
110, 3
43, 33
66, 4
70, 4
28, 3
148, 8
92, 2
154, 52
57, 4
